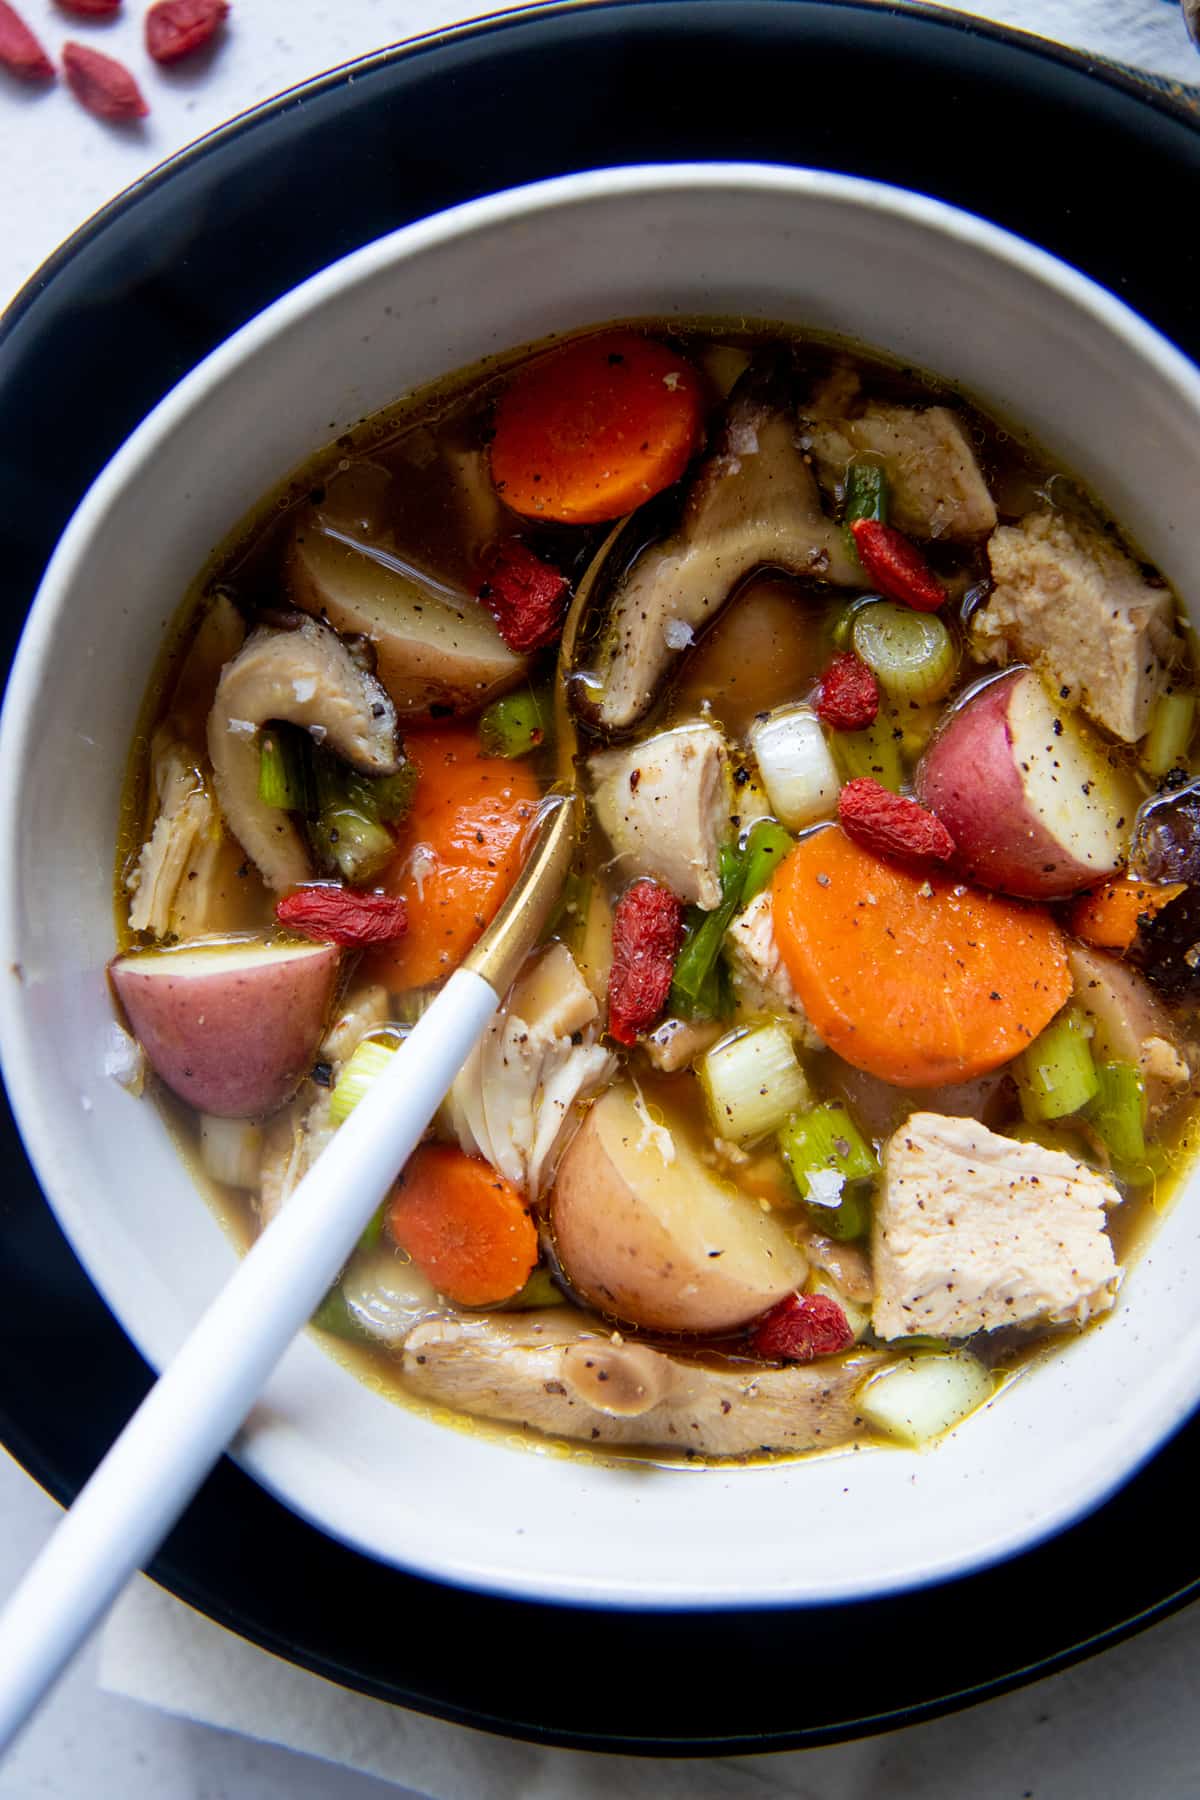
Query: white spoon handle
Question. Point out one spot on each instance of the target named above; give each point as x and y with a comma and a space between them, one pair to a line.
188, 1417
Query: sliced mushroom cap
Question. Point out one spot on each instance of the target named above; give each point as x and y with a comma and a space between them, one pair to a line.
532, 1370
754, 503
305, 677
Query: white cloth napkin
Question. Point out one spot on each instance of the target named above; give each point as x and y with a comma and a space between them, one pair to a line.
158, 1651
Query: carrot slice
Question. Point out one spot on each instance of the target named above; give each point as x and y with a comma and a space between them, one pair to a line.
1107, 916
464, 1226
457, 853
592, 430
913, 977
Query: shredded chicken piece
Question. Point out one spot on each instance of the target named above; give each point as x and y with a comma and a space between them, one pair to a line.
761, 982
363, 1009
516, 1100
175, 868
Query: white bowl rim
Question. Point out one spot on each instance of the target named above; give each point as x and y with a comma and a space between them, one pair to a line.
18, 722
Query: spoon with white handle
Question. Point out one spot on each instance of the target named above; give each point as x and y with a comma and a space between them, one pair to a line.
190, 1414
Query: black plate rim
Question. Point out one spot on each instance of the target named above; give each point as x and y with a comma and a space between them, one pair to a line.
1116, 75
175, 1578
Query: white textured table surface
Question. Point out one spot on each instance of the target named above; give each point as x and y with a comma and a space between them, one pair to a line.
1125, 1723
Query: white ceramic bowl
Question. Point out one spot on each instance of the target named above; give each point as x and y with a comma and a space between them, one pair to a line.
1026, 335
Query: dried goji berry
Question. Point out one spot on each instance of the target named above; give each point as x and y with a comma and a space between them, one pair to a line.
176, 28
646, 934
90, 9
20, 52
895, 566
891, 824
801, 1328
526, 597
849, 695
102, 84
338, 915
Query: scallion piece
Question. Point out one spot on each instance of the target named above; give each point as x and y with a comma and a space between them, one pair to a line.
1117, 1112
281, 772
874, 752
752, 1081
912, 653
370, 1058
866, 491
1171, 725
1056, 1075
766, 847
695, 990
516, 724
841, 630
828, 1157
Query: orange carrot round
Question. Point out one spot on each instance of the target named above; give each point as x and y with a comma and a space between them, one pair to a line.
1107, 916
457, 853
913, 977
464, 1226
592, 430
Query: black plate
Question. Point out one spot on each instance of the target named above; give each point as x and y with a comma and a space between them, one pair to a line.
1090, 164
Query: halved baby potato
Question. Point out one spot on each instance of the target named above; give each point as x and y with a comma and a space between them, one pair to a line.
232, 1028
648, 1233
1027, 791
433, 648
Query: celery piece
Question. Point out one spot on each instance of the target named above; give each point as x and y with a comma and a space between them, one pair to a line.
1117, 1112
344, 832
866, 491
1056, 1075
1171, 724
384, 799
540, 1290
911, 653
874, 752
281, 772
826, 1138
516, 724
334, 1316
752, 1081
695, 988
766, 847
365, 1066
373, 1229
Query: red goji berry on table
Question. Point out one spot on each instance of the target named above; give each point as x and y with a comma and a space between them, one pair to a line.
849, 695
178, 28
646, 934
338, 915
20, 52
90, 9
801, 1328
526, 596
102, 84
897, 567
891, 824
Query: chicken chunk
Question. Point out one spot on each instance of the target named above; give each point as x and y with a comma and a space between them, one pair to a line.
363, 1009
516, 1101
666, 805
543, 1370
935, 486
1068, 600
761, 982
974, 1231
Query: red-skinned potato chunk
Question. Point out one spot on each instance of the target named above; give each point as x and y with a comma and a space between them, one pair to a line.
1027, 791
647, 1233
232, 1028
